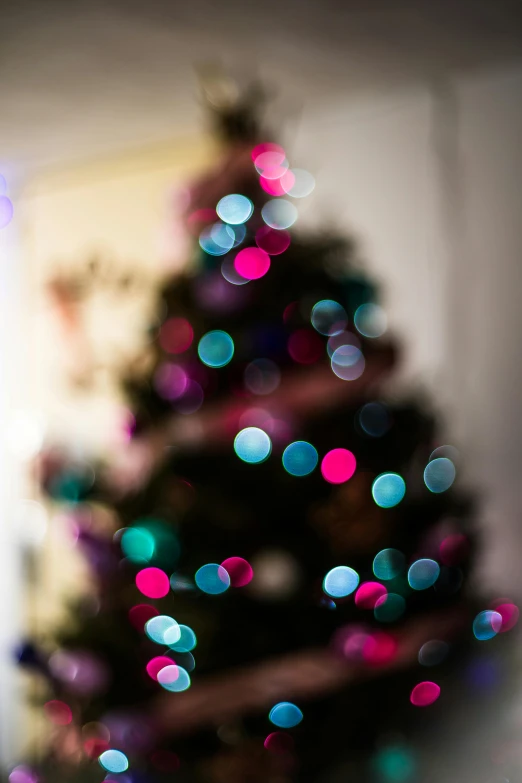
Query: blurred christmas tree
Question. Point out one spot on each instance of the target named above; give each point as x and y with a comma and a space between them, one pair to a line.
289, 554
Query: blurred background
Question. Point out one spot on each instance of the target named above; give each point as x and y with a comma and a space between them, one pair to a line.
409, 116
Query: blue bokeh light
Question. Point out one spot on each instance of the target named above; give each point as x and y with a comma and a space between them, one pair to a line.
388, 563
114, 761
174, 678
374, 419
487, 624
340, 581
370, 320
252, 445
328, 317
235, 208
279, 213
300, 458
216, 348
161, 626
423, 573
285, 715
388, 489
185, 642
439, 474
212, 579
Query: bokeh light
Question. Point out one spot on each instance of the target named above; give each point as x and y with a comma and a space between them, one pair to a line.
137, 544
208, 243
114, 761
487, 624
239, 570
252, 263
300, 458
368, 594
454, 549
58, 712
338, 465
140, 614
272, 241
185, 643
279, 742
277, 186
230, 273
212, 579
302, 186
389, 608
6, 211
445, 451
191, 400
379, 648
424, 694
252, 445
329, 317
267, 146
388, 489
158, 627
423, 574
262, 376
155, 665
388, 564
152, 582
348, 362
223, 235
23, 774
374, 419
216, 348
174, 678
340, 581
439, 474
305, 346
509, 613
433, 652
395, 764
285, 715
279, 213
271, 164
234, 208
170, 381
176, 335
370, 320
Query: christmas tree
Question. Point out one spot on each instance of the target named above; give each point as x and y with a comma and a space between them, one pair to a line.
283, 595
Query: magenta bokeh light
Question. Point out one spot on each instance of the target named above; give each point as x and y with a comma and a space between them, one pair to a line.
155, 665
267, 146
152, 582
252, 263
170, 381
424, 694
305, 346
58, 712
338, 466
279, 742
278, 186
368, 594
140, 614
509, 613
272, 241
176, 335
239, 571
379, 649
454, 549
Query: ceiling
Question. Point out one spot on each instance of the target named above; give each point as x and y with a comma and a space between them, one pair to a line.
84, 78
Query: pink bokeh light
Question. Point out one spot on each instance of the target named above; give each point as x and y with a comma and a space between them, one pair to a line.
368, 594
338, 466
424, 694
152, 582
176, 335
272, 241
267, 146
155, 665
239, 570
379, 649
140, 614
58, 712
305, 346
279, 742
252, 263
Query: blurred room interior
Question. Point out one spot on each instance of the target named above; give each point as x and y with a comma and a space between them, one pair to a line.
409, 115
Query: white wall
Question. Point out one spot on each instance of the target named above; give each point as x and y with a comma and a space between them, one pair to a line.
444, 236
